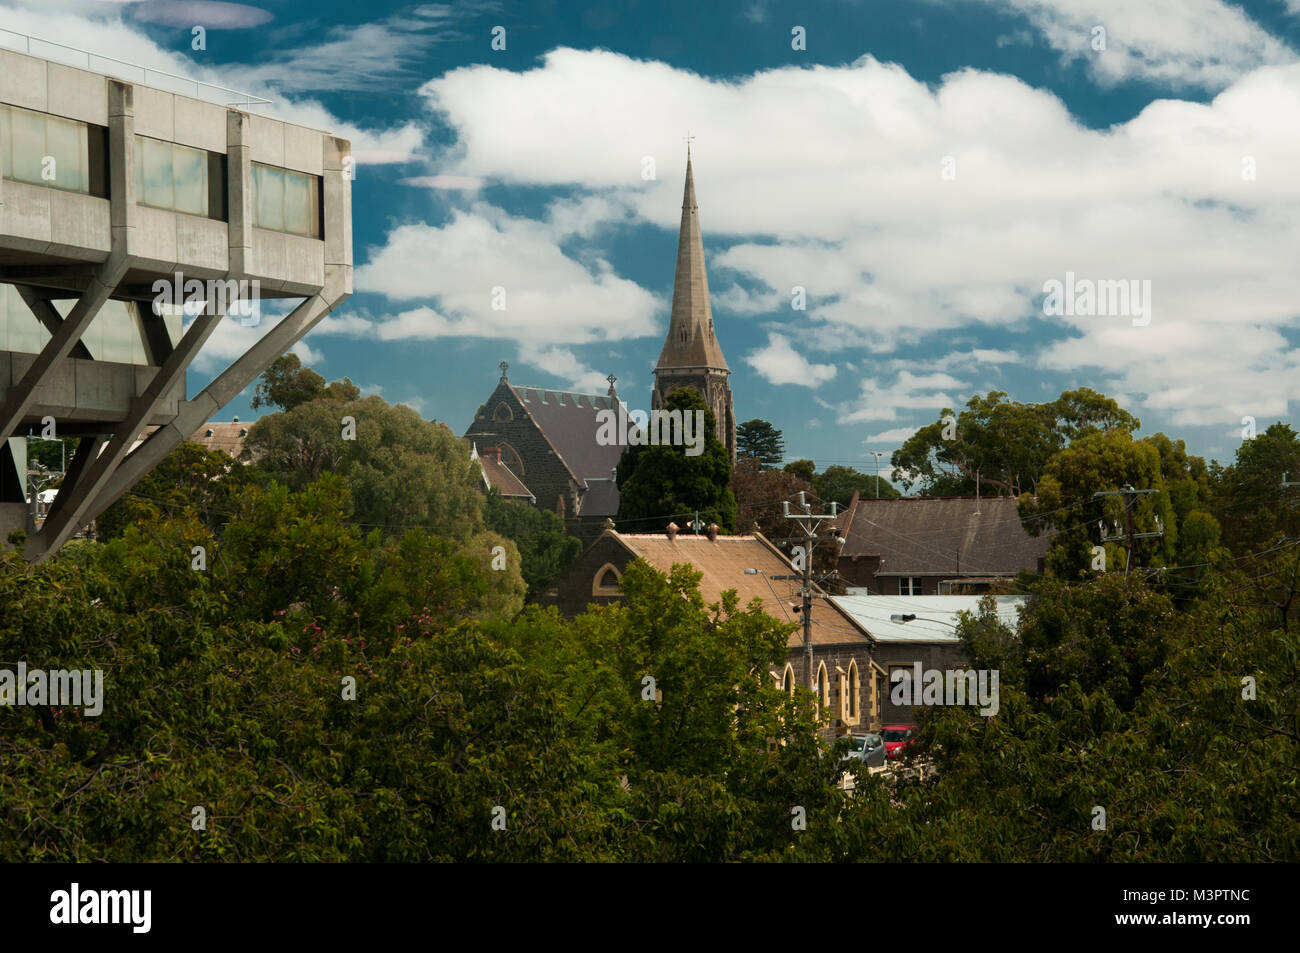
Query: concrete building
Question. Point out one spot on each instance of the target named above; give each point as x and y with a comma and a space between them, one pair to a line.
110, 192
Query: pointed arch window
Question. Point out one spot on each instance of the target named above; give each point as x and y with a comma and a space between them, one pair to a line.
787, 680
608, 581
503, 414
823, 686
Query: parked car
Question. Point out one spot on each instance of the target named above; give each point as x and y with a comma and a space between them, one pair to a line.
896, 738
868, 748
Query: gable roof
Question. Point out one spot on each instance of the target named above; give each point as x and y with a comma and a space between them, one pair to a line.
722, 563
224, 435
601, 498
568, 420
950, 536
497, 476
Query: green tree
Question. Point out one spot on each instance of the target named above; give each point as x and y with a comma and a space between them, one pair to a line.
1101, 462
287, 384
545, 549
837, 483
760, 440
190, 478
403, 471
1250, 501
805, 470
1004, 444
661, 483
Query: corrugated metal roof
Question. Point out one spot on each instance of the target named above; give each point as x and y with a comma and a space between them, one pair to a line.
936, 616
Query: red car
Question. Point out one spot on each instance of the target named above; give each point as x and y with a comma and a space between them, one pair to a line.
896, 738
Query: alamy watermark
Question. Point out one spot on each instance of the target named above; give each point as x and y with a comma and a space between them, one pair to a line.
946, 687
215, 296
1103, 297
59, 688
623, 428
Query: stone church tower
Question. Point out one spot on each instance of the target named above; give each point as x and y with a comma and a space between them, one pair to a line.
691, 356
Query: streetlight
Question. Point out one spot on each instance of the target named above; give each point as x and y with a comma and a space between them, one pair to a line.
877, 454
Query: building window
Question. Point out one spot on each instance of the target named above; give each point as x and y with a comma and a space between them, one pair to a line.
787, 680
909, 585
823, 686
285, 201
503, 413
607, 581
180, 179
53, 152
853, 687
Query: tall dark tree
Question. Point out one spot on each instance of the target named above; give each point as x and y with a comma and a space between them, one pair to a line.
545, 549
661, 483
1250, 501
805, 470
760, 440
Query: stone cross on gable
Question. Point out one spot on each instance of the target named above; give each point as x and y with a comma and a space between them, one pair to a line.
611, 378
504, 367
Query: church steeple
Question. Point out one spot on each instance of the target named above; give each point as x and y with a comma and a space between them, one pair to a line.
691, 340
691, 356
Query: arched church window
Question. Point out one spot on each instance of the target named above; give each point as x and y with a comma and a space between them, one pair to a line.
503, 413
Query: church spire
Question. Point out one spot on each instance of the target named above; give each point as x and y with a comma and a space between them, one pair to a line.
691, 340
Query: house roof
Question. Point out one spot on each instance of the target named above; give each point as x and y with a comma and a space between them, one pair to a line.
601, 498
498, 476
949, 536
936, 616
722, 563
569, 422
227, 436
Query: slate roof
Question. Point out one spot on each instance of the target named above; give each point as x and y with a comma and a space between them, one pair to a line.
948, 536
601, 498
723, 563
569, 422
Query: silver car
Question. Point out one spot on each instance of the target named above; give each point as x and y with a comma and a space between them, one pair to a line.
869, 748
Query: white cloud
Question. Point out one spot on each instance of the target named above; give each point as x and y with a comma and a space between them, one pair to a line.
929, 393
780, 363
855, 209
897, 435
1207, 43
444, 183
549, 298
563, 363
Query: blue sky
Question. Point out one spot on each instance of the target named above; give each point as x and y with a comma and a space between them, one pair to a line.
921, 169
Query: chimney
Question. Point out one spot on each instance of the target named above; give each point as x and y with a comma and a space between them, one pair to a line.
672, 532
713, 532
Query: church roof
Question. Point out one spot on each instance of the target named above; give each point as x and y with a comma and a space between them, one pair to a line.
569, 422
691, 341
949, 536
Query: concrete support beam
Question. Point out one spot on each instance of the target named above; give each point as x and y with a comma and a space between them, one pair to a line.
79, 506
195, 412
60, 345
49, 316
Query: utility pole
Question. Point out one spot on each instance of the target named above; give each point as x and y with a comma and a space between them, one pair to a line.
1129, 493
810, 523
877, 454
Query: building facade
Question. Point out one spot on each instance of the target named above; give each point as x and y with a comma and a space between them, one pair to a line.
109, 191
